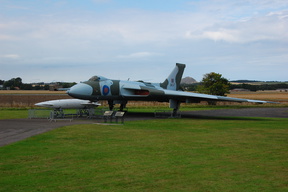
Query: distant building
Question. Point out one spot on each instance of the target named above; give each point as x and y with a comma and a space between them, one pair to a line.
55, 87
40, 84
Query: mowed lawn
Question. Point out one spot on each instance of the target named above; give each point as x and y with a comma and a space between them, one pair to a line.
239, 154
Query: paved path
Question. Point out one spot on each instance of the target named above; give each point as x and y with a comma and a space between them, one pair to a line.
12, 130
19, 129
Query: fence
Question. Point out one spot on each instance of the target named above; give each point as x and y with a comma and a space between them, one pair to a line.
61, 114
39, 113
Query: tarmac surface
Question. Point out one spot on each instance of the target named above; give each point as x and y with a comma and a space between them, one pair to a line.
13, 130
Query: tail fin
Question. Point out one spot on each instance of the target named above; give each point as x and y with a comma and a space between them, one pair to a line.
173, 80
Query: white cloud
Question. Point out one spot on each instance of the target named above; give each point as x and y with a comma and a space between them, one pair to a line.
268, 27
139, 55
220, 34
10, 56
203, 33
6, 37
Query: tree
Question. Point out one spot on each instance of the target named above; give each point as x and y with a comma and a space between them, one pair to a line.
18, 82
214, 84
13, 83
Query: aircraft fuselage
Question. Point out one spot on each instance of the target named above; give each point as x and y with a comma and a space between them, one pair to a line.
107, 89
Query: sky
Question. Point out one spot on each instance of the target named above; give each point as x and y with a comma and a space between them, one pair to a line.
72, 40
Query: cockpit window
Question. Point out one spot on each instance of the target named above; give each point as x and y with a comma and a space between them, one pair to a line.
97, 78
94, 78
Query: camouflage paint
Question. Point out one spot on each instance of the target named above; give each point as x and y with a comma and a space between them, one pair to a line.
115, 87
95, 85
174, 79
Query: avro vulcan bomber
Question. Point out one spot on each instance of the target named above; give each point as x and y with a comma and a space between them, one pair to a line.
120, 92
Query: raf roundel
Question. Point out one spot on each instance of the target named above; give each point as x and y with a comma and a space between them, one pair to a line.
105, 90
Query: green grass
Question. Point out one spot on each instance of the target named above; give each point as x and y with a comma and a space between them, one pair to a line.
232, 154
13, 113
198, 107
21, 113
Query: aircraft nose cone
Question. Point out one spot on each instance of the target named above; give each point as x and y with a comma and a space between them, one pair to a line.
81, 91
44, 104
39, 104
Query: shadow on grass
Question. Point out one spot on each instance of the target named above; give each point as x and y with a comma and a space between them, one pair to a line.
226, 118
190, 115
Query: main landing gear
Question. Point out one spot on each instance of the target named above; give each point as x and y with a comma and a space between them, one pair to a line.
175, 105
111, 104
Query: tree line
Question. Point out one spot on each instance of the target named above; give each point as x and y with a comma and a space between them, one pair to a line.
16, 83
260, 87
215, 84
250, 87
212, 83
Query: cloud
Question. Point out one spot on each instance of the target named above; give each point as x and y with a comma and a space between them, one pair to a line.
220, 34
6, 37
138, 27
139, 55
205, 34
268, 27
10, 56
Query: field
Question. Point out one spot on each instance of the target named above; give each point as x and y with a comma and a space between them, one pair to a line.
262, 95
24, 99
244, 154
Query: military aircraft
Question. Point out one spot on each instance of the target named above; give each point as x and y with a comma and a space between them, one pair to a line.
60, 104
120, 92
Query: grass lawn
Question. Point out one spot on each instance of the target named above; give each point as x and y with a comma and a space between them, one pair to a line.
239, 154
13, 113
